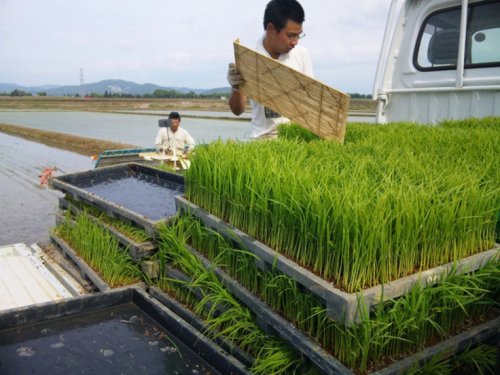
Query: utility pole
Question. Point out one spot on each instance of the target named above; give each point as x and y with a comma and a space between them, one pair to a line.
81, 83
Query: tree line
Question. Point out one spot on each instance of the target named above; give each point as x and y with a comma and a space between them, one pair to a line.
157, 94
108, 94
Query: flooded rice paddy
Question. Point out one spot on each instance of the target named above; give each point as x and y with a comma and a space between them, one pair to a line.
139, 130
136, 129
27, 210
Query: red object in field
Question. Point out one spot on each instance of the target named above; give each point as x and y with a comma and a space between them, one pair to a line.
46, 174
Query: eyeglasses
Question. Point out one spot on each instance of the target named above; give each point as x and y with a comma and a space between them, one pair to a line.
295, 36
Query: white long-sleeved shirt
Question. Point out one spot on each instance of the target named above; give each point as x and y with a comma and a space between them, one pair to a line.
168, 139
299, 59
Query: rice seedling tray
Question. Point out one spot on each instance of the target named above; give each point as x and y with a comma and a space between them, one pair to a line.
85, 270
343, 307
149, 268
196, 322
118, 331
271, 322
133, 192
136, 250
489, 331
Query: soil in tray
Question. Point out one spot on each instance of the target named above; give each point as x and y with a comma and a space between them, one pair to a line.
116, 340
142, 194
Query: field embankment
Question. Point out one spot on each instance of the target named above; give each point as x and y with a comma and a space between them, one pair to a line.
109, 104
121, 104
80, 145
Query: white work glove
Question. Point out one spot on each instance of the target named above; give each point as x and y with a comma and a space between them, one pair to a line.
234, 78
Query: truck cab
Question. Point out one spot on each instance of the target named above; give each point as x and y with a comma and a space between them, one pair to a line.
440, 59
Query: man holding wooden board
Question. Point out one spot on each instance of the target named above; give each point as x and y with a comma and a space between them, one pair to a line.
283, 28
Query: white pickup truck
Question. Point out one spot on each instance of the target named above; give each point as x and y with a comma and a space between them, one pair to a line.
440, 59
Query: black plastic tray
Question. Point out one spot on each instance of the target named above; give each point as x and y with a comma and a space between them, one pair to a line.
342, 306
80, 186
136, 250
85, 270
272, 322
122, 330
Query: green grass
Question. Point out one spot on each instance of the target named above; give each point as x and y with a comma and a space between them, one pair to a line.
391, 201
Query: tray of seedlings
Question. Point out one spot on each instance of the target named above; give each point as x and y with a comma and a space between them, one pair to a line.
186, 277
286, 309
342, 306
137, 193
196, 321
386, 244
119, 331
95, 251
138, 244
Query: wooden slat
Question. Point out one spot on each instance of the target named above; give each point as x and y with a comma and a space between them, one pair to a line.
313, 105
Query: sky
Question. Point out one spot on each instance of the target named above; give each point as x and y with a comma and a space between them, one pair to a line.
181, 43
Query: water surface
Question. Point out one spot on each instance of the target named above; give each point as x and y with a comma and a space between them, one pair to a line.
139, 130
141, 194
115, 340
27, 210
135, 129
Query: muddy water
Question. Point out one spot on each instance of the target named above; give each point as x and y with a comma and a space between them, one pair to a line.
141, 194
116, 340
27, 210
139, 130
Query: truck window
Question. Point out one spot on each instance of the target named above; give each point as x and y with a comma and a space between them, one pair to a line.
437, 45
484, 32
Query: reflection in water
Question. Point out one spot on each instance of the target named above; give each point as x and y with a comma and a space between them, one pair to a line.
115, 340
139, 130
141, 194
27, 209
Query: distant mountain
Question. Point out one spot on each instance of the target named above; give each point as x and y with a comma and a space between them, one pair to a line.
218, 90
8, 87
113, 86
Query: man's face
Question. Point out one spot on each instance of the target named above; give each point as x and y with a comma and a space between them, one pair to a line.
174, 124
286, 39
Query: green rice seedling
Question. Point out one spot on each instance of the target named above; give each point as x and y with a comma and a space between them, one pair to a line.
480, 360
224, 315
133, 232
391, 201
393, 330
294, 131
166, 168
137, 234
280, 358
483, 123
435, 366
100, 250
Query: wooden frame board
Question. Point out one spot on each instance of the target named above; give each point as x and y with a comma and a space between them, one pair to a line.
304, 100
